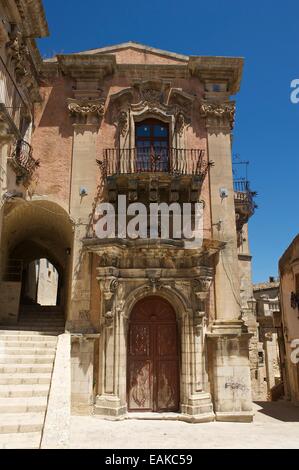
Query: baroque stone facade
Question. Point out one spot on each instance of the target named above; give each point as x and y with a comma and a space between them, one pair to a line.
86, 138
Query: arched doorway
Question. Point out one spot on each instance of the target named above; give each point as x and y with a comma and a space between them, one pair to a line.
153, 357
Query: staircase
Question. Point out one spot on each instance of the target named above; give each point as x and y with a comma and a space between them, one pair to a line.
27, 354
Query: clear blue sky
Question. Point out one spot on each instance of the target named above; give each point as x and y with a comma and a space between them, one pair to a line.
266, 34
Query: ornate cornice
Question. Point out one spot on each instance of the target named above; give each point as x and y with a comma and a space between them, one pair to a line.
218, 69
87, 65
218, 114
33, 18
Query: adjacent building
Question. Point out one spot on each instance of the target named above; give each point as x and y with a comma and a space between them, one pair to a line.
271, 369
289, 320
20, 63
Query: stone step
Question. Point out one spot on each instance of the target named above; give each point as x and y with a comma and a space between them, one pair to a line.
27, 344
23, 390
29, 331
37, 318
30, 360
26, 351
25, 379
10, 335
22, 423
25, 368
29, 440
22, 405
43, 323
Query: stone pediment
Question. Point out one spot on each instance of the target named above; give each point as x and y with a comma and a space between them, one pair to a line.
136, 50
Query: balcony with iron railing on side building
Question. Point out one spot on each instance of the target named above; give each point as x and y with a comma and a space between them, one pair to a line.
244, 201
14, 114
22, 161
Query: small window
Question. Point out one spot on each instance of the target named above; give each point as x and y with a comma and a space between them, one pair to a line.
261, 357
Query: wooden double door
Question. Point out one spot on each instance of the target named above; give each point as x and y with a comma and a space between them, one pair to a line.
153, 357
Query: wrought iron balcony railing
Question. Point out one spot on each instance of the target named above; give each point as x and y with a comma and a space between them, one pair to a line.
22, 160
243, 193
154, 160
244, 201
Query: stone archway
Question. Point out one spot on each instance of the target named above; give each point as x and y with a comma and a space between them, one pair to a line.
153, 357
33, 230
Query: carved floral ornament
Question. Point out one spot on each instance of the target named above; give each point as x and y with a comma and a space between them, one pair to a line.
219, 113
19, 53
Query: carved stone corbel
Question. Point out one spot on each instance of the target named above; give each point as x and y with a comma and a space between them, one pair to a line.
201, 287
86, 111
219, 114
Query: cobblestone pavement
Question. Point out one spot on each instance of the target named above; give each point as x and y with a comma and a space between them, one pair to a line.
276, 425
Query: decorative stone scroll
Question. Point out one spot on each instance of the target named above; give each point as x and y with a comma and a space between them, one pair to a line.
153, 97
219, 114
86, 111
23, 68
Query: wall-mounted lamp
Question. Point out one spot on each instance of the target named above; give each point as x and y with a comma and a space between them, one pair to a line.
83, 191
223, 193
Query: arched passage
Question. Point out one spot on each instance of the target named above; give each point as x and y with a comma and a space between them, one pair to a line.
153, 357
35, 230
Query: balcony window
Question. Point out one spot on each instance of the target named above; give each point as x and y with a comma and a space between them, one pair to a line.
152, 145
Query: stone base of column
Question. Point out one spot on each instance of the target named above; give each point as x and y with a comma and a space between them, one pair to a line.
198, 409
230, 371
238, 417
109, 406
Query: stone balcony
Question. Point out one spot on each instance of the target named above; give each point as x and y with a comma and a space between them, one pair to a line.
244, 202
176, 175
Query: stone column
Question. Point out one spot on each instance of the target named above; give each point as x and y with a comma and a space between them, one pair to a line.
82, 372
228, 338
86, 115
196, 404
111, 398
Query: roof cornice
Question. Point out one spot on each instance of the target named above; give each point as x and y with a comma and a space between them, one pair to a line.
227, 69
86, 65
33, 18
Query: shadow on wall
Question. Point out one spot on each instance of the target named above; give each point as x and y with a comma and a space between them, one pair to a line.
55, 113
